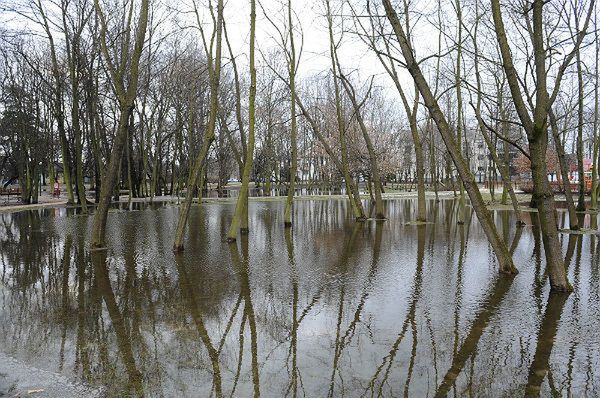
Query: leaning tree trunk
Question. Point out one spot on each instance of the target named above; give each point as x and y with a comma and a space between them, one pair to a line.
209, 136
352, 191
110, 178
126, 93
357, 207
537, 130
504, 258
376, 179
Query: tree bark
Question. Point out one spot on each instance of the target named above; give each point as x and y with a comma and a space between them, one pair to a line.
357, 207
504, 258
375, 177
126, 96
594, 193
537, 133
289, 202
580, 170
209, 136
240, 216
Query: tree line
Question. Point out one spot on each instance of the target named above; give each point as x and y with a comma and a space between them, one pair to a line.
156, 98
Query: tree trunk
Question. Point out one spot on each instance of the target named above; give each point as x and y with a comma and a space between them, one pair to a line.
537, 133
126, 95
110, 178
356, 203
594, 192
564, 172
547, 212
240, 216
289, 202
376, 179
459, 111
209, 136
580, 170
504, 258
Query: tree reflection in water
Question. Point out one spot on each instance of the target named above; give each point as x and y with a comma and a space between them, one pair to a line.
328, 308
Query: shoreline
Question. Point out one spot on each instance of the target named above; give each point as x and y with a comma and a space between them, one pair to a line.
49, 203
5, 209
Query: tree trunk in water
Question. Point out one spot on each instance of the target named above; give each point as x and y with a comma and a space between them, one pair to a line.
594, 192
420, 165
351, 188
209, 136
504, 172
505, 163
459, 111
537, 131
289, 202
126, 95
357, 207
110, 179
433, 163
485, 218
78, 151
74, 73
240, 216
547, 214
92, 116
184, 210
376, 179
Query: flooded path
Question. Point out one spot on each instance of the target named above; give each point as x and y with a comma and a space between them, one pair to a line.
328, 309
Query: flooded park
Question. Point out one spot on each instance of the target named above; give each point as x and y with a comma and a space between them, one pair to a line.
330, 308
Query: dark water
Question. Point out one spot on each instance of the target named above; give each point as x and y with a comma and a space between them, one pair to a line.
332, 309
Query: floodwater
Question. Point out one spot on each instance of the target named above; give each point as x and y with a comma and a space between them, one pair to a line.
330, 309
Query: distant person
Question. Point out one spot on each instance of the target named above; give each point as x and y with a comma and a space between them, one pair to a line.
56, 191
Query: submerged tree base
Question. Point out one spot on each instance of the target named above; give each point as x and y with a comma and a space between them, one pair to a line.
509, 271
568, 288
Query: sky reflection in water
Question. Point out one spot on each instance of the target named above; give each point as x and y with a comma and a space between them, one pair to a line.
328, 309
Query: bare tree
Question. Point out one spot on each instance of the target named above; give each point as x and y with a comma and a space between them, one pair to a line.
535, 123
123, 66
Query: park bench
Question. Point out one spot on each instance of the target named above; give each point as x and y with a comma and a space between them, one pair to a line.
8, 192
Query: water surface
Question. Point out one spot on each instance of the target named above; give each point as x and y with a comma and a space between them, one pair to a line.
328, 309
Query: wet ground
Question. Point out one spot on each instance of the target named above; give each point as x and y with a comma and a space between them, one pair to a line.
329, 309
